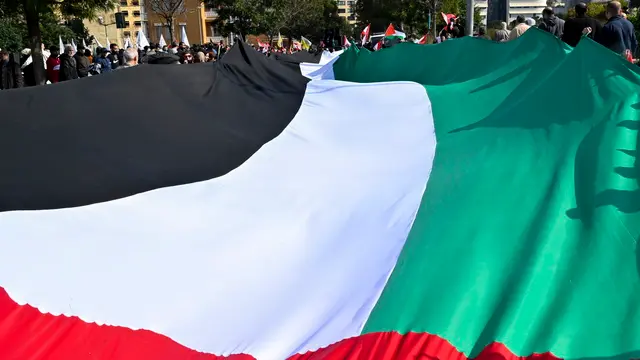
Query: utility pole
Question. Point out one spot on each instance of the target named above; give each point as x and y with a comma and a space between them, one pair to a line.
470, 11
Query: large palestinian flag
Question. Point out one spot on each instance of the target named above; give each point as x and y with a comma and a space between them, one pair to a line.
394, 207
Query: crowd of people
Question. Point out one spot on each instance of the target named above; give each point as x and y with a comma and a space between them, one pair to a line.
617, 34
74, 63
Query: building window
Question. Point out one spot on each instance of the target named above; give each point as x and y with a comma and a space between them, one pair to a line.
125, 12
127, 34
351, 2
123, 2
341, 2
137, 23
342, 11
126, 24
135, 3
351, 17
136, 13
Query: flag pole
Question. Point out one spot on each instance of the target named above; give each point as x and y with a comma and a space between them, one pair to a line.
470, 11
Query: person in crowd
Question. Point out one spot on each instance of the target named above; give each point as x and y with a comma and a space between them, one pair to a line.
26, 65
482, 33
530, 22
152, 50
551, 23
130, 58
200, 57
89, 56
113, 56
501, 34
187, 58
573, 27
11, 75
53, 64
519, 29
82, 62
618, 33
211, 56
104, 61
68, 65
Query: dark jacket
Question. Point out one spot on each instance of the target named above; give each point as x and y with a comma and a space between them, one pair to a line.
68, 68
573, 29
105, 64
11, 75
115, 60
82, 65
618, 35
553, 25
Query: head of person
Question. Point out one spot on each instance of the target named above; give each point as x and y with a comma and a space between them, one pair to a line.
187, 57
114, 48
146, 48
87, 52
614, 8
4, 55
581, 9
165, 48
547, 13
131, 56
520, 19
68, 50
104, 52
481, 31
54, 50
503, 25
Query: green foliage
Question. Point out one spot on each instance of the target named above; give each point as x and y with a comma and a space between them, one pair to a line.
596, 10
12, 34
412, 15
291, 18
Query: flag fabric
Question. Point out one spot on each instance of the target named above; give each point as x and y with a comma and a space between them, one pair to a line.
127, 43
162, 42
392, 33
98, 42
365, 34
280, 43
84, 44
306, 43
141, 40
448, 220
423, 39
345, 42
75, 48
60, 44
448, 18
108, 44
183, 35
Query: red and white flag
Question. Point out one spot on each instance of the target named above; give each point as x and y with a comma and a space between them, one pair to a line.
422, 40
364, 35
345, 42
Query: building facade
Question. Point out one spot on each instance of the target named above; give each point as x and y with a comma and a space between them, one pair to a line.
346, 9
104, 27
195, 19
526, 8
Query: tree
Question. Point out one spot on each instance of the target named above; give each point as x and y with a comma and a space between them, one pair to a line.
167, 10
295, 17
32, 13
